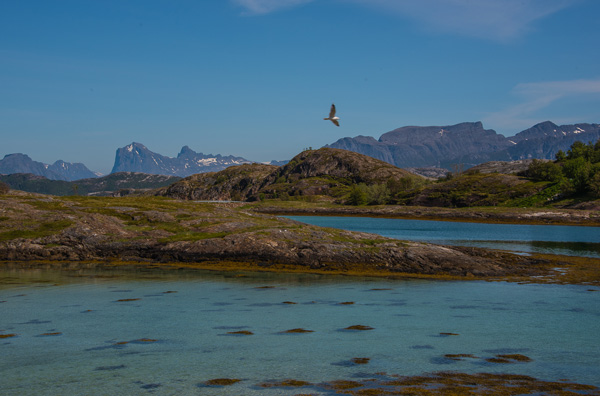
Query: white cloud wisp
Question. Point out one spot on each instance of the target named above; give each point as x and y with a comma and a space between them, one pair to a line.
259, 7
538, 96
488, 19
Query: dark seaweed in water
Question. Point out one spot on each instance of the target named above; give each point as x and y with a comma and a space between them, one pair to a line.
110, 368
150, 386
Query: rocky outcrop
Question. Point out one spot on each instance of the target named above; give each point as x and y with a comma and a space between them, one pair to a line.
158, 231
239, 183
312, 172
506, 167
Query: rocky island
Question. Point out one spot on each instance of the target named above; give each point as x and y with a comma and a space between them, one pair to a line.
227, 220
157, 231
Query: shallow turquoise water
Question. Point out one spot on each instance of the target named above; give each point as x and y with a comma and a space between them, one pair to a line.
552, 239
555, 325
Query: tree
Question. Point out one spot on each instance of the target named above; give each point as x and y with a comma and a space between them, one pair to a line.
358, 195
578, 171
378, 194
544, 171
561, 156
594, 184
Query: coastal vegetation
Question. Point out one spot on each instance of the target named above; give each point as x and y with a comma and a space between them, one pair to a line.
180, 225
337, 177
343, 178
170, 233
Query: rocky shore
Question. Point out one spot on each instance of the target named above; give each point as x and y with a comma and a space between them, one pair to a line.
587, 217
158, 230
155, 231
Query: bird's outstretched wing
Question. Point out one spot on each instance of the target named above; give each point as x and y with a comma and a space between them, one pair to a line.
332, 111
335, 122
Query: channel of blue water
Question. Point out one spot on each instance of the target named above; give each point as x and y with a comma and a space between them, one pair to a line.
552, 239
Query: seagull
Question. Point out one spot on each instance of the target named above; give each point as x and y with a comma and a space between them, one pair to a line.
332, 116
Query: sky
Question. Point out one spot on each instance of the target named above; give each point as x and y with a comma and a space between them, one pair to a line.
255, 78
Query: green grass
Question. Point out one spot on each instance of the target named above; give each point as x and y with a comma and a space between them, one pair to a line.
45, 229
193, 236
52, 205
542, 198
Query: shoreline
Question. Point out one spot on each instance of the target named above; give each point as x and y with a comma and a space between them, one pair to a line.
490, 215
165, 233
556, 269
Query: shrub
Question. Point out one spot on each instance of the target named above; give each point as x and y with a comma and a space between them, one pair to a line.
378, 194
358, 195
4, 188
544, 171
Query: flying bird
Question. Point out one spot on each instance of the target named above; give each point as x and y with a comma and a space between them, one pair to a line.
332, 116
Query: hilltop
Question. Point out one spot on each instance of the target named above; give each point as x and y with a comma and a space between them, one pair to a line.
328, 174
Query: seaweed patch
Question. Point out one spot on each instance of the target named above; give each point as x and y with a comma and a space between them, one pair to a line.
359, 328
297, 331
221, 382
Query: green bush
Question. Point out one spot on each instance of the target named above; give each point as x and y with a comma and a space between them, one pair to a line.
576, 172
544, 171
378, 194
358, 195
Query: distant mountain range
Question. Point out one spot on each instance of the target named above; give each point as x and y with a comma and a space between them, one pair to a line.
132, 158
467, 144
137, 158
115, 184
434, 147
60, 170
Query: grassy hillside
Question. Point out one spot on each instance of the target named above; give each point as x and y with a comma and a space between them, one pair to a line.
319, 175
572, 180
343, 177
478, 189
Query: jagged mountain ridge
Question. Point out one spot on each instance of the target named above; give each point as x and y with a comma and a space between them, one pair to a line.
136, 157
60, 170
467, 144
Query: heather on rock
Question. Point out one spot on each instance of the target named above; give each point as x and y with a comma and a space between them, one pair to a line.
328, 174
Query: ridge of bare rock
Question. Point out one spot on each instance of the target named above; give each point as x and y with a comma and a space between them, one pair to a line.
159, 230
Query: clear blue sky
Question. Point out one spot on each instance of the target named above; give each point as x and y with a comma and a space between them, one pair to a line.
254, 78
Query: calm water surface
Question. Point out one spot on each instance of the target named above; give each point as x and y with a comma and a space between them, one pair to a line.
566, 240
74, 336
